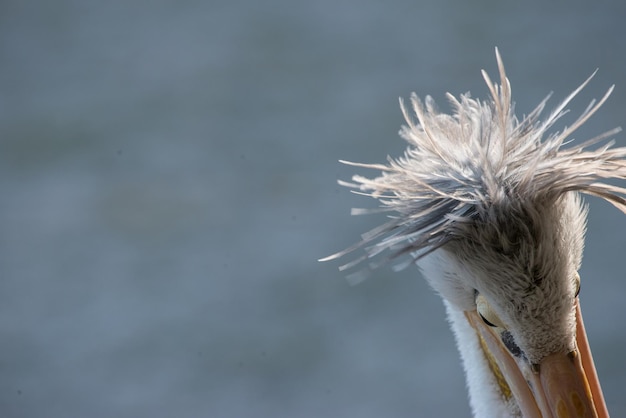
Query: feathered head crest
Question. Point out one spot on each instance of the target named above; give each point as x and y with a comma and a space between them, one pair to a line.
459, 166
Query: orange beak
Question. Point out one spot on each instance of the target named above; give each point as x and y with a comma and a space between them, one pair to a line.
563, 385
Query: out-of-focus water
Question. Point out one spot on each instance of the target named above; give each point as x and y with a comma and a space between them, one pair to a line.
168, 174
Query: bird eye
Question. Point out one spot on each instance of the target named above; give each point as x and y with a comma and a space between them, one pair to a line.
485, 320
487, 313
577, 282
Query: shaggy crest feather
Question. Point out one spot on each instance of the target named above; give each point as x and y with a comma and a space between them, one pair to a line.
470, 164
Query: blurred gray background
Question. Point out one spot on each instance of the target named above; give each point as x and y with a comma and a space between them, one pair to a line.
168, 174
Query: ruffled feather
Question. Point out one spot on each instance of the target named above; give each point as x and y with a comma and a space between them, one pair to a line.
458, 167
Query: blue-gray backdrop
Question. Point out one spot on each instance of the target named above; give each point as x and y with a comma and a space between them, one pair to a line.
168, 174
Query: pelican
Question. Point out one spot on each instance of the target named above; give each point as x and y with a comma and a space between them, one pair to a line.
489, 207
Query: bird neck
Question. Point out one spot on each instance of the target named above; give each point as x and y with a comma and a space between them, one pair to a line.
486, 385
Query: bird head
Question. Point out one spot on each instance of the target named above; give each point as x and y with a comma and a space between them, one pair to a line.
489, 207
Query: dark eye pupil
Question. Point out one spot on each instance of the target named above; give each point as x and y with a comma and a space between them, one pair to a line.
577, 290
485, 320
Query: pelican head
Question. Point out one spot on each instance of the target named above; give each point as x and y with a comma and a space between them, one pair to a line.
489, 207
